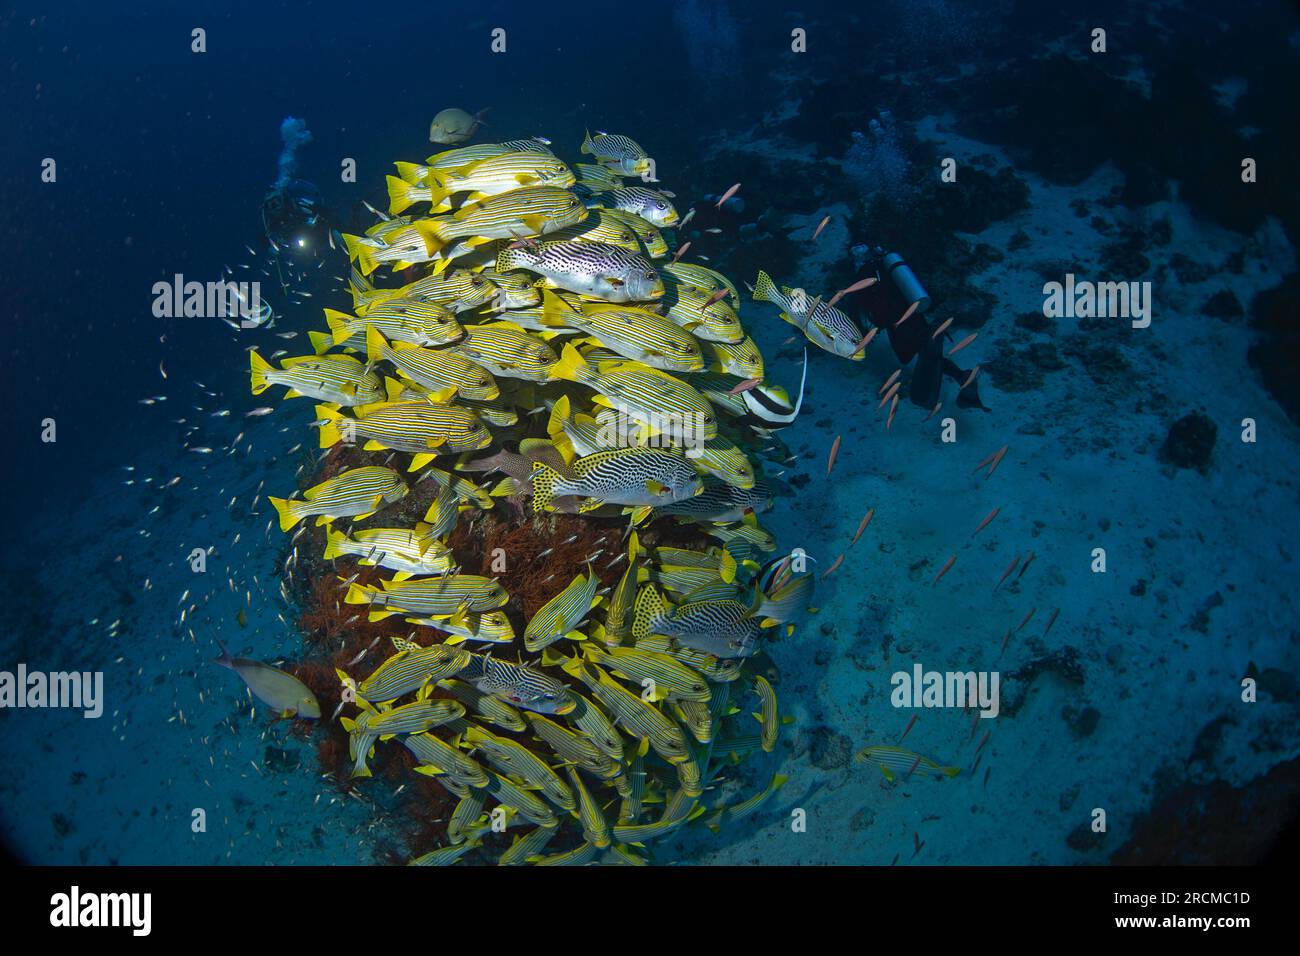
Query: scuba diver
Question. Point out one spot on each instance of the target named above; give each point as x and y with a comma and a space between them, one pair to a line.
295, 220
884, 303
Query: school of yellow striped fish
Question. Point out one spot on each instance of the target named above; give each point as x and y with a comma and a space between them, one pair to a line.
522, 330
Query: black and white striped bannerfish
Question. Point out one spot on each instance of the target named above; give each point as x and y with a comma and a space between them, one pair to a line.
521, 685
409, 669
446, 594
421, 428
356, 493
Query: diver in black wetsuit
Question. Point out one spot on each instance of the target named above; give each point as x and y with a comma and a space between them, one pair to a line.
884, 303
293, 216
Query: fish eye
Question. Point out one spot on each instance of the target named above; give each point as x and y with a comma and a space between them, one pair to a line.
650, 275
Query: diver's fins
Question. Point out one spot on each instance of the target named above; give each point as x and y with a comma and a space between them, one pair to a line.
968, 397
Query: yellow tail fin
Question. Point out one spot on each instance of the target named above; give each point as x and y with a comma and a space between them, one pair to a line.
376, 344
338, 323
321, 342
289, 515
400, 195
330, 432
571, 366
258, 366
430, 231
334, 545
410, 171
361, 253
560, 413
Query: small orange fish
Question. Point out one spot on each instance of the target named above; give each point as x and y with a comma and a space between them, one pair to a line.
681, 252
1010, 567
908, 728
908, 314
890, 381
943, 328
820, 227
716, 298
856, 287
962, 344
831, 570
744, 386
985, 523
944, 570
835, 450
934, 411
727, 195
892, 408
888, 395
996, 459
1026, 619
863, 527
1025, 567
971, 377
1050, 621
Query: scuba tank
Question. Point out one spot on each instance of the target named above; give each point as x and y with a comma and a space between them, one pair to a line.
904, 280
